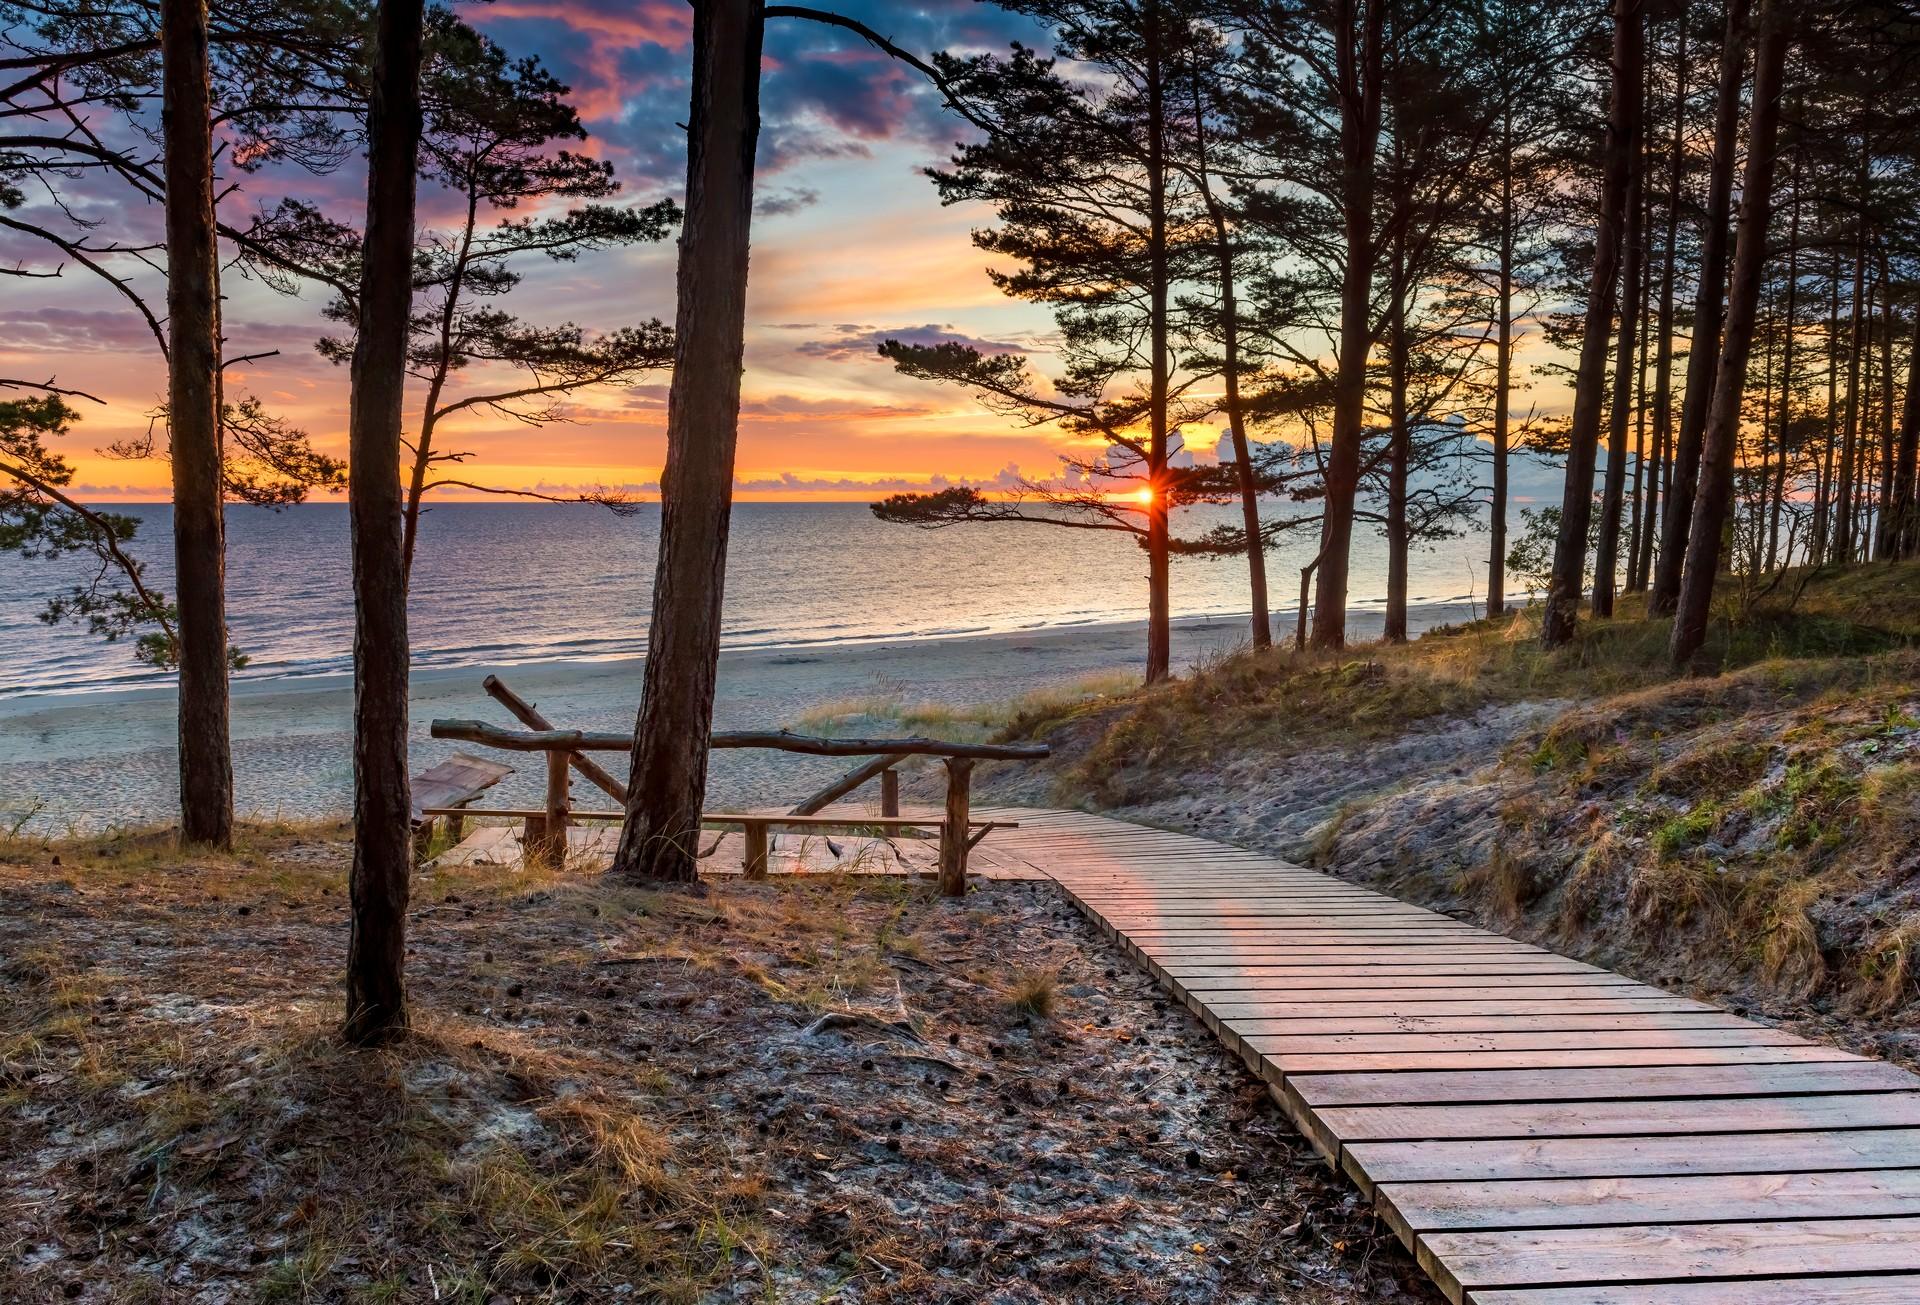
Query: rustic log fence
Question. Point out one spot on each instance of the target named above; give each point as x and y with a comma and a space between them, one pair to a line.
544, 833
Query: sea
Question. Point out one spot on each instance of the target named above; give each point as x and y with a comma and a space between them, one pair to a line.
506, 583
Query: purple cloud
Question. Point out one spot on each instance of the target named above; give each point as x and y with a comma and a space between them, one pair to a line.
863, 342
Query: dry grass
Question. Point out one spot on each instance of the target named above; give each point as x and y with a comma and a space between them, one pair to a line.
1033, 992
1280, 701
1887, 966
1031, 713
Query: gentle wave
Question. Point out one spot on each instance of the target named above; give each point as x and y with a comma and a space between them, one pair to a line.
514, 583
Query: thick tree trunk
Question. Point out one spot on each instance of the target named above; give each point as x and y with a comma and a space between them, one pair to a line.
1633, 243
193, 425
1576, 504
1708, 312
382, 841
668, 786
1722, 435
1358, 43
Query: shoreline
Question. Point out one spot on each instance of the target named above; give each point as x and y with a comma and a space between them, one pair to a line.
99, 759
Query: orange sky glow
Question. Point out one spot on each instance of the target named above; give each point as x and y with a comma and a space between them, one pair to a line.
864, 250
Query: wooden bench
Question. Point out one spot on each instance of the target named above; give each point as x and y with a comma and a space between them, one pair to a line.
443, 791
757, 825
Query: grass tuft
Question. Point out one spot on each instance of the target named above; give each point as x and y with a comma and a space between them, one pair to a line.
1034, 992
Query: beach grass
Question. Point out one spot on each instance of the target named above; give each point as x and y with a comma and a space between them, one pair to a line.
894, 712
1811, 627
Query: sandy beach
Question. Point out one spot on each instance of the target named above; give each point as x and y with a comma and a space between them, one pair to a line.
89, 761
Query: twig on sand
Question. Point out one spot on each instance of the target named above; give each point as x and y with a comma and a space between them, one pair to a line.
838, 1021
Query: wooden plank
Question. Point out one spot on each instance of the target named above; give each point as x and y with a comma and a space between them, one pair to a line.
1476, 1261
1470, 998
454, 782
1606, 1085
1350, 1021
1395, 1062
1396, 981
1385, 967
1418, 928
1886, 1289
1733, 1035
1621, 1118
1280, 906
1415, 990
1297, 952
1681, 1198
1370, 1004
1587, 1157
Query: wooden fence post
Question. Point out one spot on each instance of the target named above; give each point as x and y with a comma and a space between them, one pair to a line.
953, 832
754, 865
889, 792
544, 839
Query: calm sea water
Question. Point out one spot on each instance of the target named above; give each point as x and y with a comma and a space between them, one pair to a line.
504, 583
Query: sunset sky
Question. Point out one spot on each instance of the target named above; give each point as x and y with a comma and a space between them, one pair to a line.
851, 246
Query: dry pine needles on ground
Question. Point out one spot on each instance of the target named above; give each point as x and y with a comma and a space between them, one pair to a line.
811, 1090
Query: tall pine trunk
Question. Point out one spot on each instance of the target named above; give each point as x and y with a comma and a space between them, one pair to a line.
1358, 46
1708, 311
1633, 243
1883, 546
659, 837
1663, 355
1823, 473
1906, 521
1260, 620
1400, 442
193, 424
1634, 581
1159, 579
1576, 504
1722, 437
1845, 486
1784, 441
1503, 379
382, 842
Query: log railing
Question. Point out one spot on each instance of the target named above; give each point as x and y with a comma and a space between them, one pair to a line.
544, 836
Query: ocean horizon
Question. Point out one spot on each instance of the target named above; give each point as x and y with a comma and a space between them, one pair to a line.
512, 583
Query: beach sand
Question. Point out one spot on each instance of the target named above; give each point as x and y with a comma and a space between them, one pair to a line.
90, 761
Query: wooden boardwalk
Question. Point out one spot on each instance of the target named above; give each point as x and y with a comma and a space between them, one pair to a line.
1538, 1131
